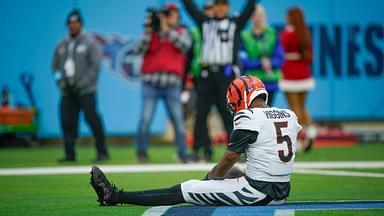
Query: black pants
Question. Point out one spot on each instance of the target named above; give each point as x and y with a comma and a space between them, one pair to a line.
71, 105
211, 90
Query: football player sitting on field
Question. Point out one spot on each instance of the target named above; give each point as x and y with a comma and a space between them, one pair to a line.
266, 134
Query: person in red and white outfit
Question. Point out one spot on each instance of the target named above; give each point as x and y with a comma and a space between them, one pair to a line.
297, 76
164, 53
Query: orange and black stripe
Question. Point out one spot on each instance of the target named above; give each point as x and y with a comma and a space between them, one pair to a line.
237, 91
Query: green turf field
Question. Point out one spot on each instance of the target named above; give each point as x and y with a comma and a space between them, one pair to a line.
72, 195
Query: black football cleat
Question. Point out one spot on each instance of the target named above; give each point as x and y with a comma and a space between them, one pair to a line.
103, 188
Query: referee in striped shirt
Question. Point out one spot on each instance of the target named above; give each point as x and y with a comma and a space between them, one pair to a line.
220, 41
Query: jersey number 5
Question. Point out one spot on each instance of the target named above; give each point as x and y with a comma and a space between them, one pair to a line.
281, 139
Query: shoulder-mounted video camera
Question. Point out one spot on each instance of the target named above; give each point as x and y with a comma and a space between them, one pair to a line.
153, 18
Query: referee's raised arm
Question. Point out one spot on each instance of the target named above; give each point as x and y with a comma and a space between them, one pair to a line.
194, 12
246, 13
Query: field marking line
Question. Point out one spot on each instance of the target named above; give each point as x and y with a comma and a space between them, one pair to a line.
300, 167
156, 211
284, 212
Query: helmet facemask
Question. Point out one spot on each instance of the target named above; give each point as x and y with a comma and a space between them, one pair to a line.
231, 105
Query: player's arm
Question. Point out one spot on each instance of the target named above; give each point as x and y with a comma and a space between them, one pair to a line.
238, 143
245, 132
225, 164
194, 12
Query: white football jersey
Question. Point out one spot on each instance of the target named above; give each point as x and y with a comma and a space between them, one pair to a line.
270, 158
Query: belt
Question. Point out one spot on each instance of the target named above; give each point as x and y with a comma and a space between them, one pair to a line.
214, 67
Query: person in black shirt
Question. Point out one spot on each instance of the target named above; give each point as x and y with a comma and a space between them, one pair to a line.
220, 41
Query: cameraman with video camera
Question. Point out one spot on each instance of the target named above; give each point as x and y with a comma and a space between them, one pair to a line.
164, 46
76, 64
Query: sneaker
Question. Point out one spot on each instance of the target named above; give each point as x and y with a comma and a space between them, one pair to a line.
103, 188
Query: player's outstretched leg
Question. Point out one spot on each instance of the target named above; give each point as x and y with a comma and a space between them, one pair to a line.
103, 188
108, 194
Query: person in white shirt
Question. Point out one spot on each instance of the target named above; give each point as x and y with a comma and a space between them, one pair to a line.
266, 134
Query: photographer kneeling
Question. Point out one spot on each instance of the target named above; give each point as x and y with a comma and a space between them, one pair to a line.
164, 46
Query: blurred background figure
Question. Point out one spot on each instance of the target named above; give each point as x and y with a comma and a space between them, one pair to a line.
261, 53
76, 65
195, 67
220, 38
297, 76
164, 46
195, 53
194, 72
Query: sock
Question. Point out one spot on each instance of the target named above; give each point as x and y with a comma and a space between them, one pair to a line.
168, 196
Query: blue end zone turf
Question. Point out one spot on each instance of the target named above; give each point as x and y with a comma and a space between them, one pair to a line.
269, 210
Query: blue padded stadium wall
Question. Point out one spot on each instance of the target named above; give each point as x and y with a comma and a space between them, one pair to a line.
348, 65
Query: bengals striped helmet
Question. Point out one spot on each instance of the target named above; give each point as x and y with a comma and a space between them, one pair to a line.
242, 91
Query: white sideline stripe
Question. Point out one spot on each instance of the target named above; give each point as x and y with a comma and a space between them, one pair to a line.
156, 211
106, 168
300, 167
